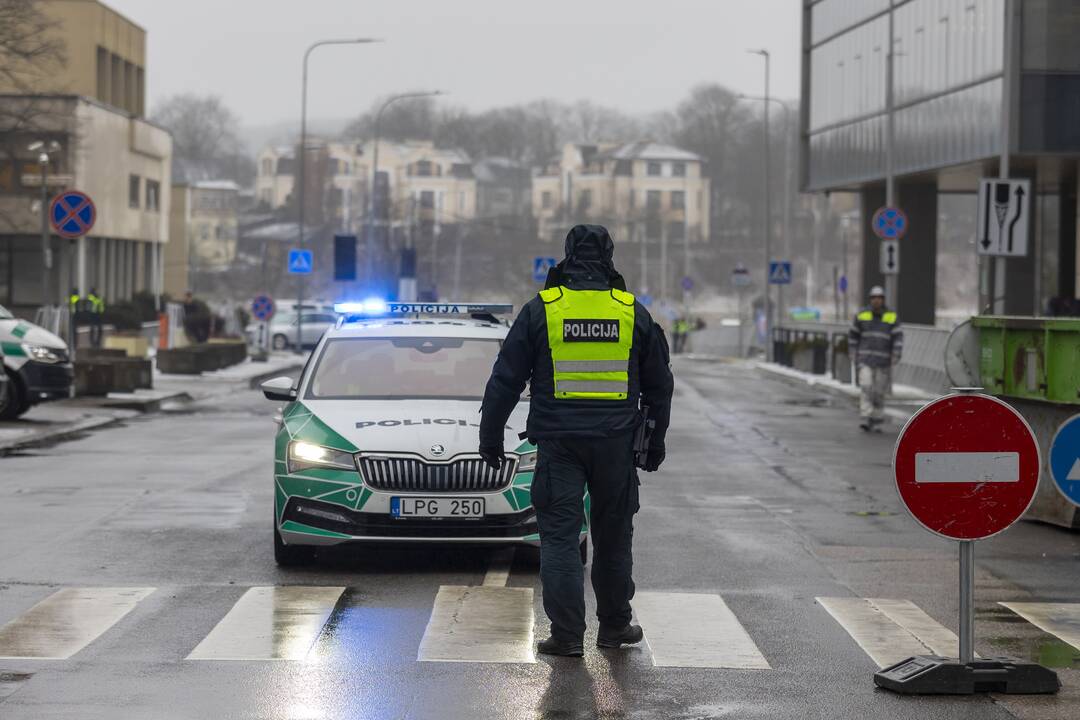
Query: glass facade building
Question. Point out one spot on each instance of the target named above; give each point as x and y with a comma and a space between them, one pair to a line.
960, 68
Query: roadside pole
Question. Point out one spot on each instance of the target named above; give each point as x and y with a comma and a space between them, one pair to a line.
891, 280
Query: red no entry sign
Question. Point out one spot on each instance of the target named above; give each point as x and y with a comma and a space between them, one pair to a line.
966, 466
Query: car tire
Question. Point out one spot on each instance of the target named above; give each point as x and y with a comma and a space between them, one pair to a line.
291, 555
280, 342
17, 400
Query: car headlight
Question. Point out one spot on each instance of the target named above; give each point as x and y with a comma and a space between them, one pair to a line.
527, 461
41, 353
303, 455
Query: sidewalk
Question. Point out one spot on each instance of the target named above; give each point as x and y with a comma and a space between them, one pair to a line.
55, 421
904, 401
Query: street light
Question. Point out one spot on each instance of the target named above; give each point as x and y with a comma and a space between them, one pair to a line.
787, 183
768, 210
303, 164
44, 149
375, 164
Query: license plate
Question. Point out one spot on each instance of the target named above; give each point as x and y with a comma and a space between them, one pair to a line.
436, 507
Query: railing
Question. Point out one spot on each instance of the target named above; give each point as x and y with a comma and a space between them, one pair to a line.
821, 348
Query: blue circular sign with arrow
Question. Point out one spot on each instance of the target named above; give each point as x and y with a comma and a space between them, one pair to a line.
1065, 459
72, 214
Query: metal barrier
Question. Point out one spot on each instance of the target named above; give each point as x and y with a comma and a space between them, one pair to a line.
821, 348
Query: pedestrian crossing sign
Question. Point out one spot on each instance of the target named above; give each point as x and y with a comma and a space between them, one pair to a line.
299, 261
779, 273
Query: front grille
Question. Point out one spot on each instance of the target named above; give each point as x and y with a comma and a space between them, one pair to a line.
408, 473
361, 524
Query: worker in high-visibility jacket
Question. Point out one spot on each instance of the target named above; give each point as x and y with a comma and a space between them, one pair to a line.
875, 343
593, 358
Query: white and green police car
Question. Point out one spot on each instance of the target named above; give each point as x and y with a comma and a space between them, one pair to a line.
36, 363
377, 441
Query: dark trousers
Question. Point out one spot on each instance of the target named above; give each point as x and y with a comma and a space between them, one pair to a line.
566, 467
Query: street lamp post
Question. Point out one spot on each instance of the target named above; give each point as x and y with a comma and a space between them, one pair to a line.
302, 173
375, 167
768, 209
787, 185
43, 149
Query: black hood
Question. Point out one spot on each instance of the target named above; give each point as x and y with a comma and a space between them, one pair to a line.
588, 264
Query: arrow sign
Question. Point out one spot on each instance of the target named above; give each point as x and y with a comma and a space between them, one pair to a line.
1065, 459
1004, 213
890, 257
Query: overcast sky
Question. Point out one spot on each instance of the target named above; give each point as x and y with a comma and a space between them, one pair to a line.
636, 55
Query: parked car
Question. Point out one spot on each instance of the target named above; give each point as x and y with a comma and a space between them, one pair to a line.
36, 364
284, 329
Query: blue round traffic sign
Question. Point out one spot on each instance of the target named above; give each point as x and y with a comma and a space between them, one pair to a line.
262, 307
72, 214
1065, 459
688, 283
889, 223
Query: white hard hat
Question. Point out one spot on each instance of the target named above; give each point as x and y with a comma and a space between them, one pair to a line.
877, 291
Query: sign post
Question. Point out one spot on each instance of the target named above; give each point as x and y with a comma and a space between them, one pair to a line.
890, 224
263, 309
966, 467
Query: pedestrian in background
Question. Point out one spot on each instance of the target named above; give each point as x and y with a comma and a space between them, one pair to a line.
875, 343
593, 358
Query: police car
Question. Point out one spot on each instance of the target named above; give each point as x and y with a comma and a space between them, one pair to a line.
377, 441
36, 363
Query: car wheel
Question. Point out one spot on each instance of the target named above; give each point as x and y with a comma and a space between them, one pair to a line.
280, 342
17, 400
291, 555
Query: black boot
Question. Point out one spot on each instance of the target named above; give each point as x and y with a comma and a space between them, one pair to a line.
629, 635
551, 646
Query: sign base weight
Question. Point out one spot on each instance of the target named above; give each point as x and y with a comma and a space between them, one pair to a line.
933, 675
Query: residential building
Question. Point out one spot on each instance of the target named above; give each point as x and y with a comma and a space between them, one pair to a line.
971, 85
275, 176
642, 191
503, 188
89, 115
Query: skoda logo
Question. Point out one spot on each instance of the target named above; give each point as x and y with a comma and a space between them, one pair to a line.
438, 450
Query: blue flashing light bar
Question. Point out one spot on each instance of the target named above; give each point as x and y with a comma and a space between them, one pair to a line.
381, 308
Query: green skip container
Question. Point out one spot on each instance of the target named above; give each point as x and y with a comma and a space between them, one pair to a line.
1033, 358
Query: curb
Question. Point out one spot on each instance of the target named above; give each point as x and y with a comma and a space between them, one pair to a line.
147, 405
848, 392
59, 435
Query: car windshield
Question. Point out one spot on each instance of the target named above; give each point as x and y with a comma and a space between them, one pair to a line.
5, 314
403, 367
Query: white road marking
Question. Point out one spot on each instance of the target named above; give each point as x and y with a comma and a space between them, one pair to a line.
891, 630
1061, 620
480, 624
498, 572
967, 467
67, 621
695, 630
270, 623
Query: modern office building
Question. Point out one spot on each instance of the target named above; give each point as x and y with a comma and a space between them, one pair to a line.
971, 80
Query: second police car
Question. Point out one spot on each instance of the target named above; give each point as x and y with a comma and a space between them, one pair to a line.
377, 440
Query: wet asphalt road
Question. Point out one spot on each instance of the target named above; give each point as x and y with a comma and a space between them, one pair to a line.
770, 498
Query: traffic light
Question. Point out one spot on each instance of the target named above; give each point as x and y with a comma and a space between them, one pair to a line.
344, 257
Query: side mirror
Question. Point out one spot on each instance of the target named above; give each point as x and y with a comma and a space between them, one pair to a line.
279, 388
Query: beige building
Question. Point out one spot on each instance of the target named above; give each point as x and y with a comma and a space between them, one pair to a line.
88, 115
640, 191
204, 227
425, 184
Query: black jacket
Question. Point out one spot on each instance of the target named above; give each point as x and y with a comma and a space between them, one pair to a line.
525, 357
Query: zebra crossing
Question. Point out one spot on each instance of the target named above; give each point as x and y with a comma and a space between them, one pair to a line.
492, 623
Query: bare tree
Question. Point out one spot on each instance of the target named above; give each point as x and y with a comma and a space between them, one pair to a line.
29, 51
206, 140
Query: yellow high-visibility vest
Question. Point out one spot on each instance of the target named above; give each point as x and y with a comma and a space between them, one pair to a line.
590, 333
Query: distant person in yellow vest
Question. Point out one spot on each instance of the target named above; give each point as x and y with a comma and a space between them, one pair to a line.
594, 360
97, 311
875, 343
682, 334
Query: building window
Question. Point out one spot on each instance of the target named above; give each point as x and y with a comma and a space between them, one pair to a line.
545, 200
153, 193
585, 200
678, 169
652, 200
678, 200
133, 191
654, 169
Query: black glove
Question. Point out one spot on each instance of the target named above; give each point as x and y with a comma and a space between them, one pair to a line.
654, 459
493, 455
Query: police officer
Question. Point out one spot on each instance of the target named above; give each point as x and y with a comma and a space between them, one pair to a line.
875, 343
593, 358
97, 311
